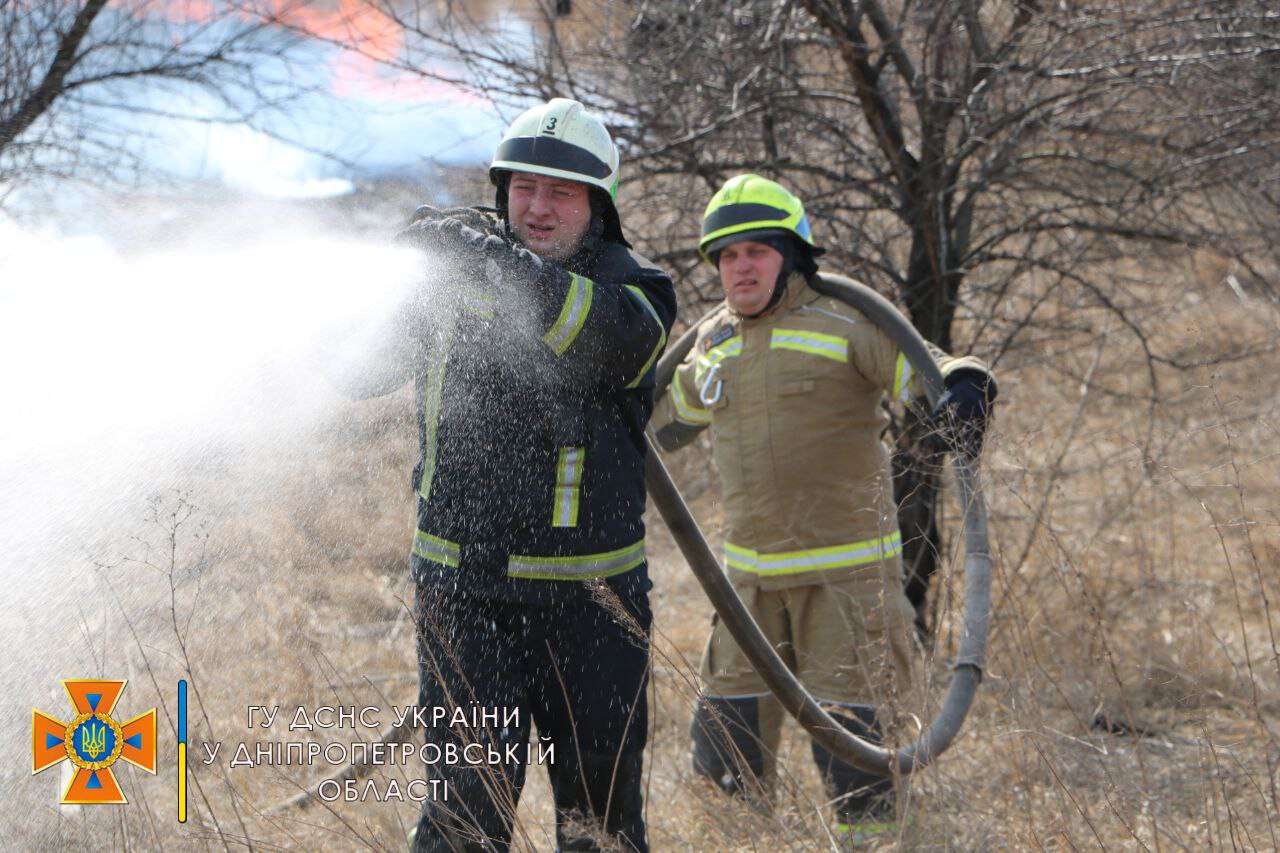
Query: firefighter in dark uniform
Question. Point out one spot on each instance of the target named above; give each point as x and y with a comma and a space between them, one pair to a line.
534, 381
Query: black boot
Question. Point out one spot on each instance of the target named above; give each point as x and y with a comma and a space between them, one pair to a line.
727, 746
861, 797
599, 798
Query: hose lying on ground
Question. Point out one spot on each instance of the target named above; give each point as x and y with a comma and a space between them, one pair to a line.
977, 567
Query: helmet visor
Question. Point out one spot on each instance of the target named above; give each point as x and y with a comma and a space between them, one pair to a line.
752, 236
552, 153
743, 214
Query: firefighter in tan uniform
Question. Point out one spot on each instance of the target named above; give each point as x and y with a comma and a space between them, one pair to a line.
790, 383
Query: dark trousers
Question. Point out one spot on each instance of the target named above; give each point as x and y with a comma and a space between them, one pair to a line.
577, 669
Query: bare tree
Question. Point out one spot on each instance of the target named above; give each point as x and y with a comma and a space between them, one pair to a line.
78, 78
986, 162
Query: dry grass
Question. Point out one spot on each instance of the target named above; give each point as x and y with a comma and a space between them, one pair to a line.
1133, 694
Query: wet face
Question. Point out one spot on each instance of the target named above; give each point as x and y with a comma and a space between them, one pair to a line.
748, 274
549, 215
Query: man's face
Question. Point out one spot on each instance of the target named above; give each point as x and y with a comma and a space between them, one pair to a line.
549, 215
749, 273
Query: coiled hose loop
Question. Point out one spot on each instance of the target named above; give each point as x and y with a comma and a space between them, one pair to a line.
940, 733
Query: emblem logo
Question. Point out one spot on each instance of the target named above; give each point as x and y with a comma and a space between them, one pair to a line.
93, 741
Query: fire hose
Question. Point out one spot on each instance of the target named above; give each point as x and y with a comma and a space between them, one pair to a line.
934, 739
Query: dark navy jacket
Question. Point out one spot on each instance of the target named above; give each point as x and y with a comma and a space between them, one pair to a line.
532, 406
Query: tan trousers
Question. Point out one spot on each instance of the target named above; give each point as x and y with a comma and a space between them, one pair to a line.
849, 643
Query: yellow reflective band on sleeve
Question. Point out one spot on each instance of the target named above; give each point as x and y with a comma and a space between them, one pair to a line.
578, 567
715, 355
902, 375
813, 343
687, 412
431, 404
813, 559
569, 466
577, 304
662, 333
436, 549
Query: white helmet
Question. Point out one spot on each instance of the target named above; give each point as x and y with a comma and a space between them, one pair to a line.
561, 139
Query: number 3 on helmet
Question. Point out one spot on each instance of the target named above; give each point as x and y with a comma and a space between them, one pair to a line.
561, 139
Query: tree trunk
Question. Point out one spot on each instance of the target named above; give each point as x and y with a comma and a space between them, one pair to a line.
930, 298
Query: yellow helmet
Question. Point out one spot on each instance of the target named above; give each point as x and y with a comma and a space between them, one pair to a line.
749, 205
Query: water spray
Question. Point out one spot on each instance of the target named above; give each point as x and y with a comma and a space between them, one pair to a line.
706, 567
131, 372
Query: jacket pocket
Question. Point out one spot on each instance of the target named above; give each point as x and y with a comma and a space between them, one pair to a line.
792, 387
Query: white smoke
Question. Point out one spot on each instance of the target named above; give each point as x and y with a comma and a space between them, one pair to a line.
120, 371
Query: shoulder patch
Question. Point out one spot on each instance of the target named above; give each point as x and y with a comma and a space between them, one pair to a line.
719, 336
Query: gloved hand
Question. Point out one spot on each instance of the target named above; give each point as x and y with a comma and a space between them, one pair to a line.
430, 233
959, 418
501, 272
472, 217
450, 235
504, 262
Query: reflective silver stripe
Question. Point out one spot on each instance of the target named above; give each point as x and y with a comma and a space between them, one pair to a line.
569, 465
813, 343
431, 405
902, 375
577, 304
813, 559
577, 567
662, 333
436, 549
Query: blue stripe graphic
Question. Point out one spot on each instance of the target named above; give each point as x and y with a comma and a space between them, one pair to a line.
182, 711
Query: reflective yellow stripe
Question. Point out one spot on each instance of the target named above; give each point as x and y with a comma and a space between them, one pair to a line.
568, 482
436, 549
687, 412
577, 304
578, 567
813, 559
715, 355
662, 334
481, 305
813, 343
431, 404
902, 375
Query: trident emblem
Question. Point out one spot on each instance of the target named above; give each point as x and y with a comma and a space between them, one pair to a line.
93, 741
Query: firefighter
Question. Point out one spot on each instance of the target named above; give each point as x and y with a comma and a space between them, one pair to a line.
791, 385
533, 366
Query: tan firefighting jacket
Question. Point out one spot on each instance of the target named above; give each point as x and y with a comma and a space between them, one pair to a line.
793, 402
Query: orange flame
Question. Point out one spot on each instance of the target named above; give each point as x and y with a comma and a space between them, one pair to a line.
368, 43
